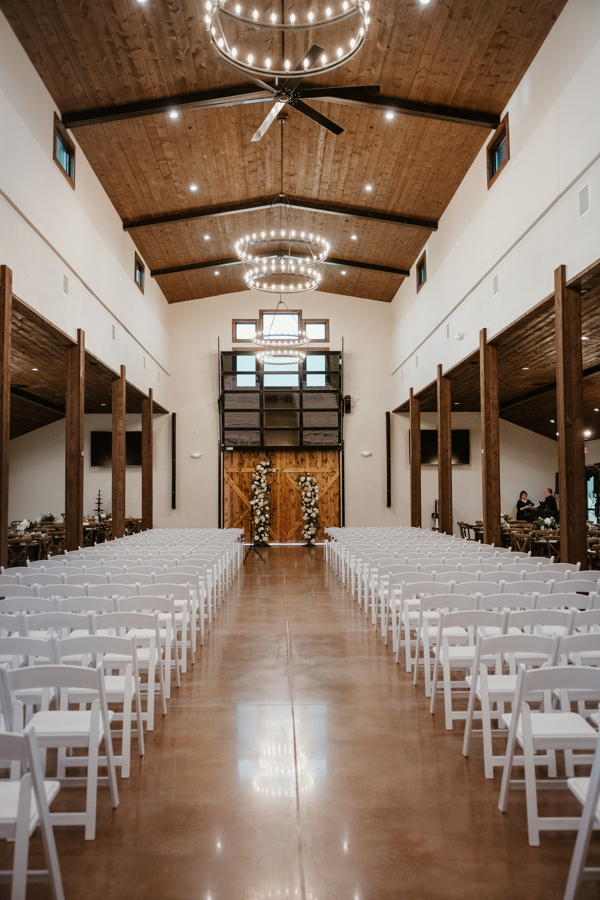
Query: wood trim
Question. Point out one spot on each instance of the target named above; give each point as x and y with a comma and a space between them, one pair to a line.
147, 463
569, 421
490, 440
119, 406
234, 322
444, 415
235, 261
60, 129
422, 260
324, 340
138, 259
494, 141
415, 460
74, 409
5, 362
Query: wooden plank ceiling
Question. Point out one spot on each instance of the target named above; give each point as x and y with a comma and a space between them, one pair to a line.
38, 375
527, 367
468, 54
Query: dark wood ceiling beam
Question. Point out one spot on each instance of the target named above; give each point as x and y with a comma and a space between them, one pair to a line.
234, 261
247, 93
38, 401
330, 209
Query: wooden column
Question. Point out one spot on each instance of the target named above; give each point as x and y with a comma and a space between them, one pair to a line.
147, 462
569, 420
444, 453
490, 440
5, 359
74, 405
415, 460
119, 406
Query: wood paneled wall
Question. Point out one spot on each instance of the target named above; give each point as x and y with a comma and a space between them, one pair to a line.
285, 500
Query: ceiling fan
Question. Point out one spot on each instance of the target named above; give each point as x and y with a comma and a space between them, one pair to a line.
289, 91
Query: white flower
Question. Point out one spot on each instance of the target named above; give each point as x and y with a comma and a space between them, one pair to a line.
548, 521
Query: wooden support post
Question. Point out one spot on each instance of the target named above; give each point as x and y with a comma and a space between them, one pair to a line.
569, 421
444, 453
5, 360
147, 462
415, 460
490, 440
74, 406
119, 406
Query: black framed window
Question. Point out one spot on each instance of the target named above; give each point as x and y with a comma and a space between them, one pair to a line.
63, 151
421, 272
139, 273
498, 151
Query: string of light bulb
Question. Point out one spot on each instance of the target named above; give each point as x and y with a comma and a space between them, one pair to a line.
280, 349
249, 60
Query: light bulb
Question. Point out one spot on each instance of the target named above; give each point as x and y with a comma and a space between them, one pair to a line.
306, 64
323, 59
250, 58
268, 63
238, 9
234, 52
292, 18
339, 51
287, 65
220, 42
345, 5
328, 12
311, 16
255, 15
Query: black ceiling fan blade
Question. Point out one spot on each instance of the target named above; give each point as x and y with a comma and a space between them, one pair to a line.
312, 55
317, 117
349, 91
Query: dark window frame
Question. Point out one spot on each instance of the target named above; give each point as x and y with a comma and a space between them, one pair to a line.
499, 135
234, 322
139, 262
421, 267
325, 322
61, 132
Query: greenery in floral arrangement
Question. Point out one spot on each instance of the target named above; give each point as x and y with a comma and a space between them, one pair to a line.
261, 480
505, 517
26, 526
46, 518
309, 490
105, 517
550, 522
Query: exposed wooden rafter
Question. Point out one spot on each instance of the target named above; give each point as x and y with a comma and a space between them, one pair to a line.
235, 261
330, 209
247, 93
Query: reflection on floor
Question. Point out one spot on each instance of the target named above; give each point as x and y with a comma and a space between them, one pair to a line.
298, 761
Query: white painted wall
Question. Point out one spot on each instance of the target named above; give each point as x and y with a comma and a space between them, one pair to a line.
522, 228
47, 229
195, 329
528, 462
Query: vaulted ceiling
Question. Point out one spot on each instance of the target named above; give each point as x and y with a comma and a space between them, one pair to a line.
115, 69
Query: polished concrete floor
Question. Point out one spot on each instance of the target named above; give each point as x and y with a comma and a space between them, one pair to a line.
298, 761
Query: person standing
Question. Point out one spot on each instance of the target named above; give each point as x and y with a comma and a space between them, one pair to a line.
524, 507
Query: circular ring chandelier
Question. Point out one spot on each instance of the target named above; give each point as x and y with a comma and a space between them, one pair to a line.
280, 349
228, 21
283, 261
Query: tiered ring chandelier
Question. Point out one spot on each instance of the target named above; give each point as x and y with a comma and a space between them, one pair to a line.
279, 257
280, 349
247, 35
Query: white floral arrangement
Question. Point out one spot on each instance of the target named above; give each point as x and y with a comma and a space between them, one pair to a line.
549, 522
309, 490
262, 478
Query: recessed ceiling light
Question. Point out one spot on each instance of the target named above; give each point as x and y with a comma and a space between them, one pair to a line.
343, 271
596, 409
526, 368
390, 115
368, 187
207, 237
456, 403
424, 2
584, 338
217, 272
104, 404
35, 370
353, 237
193, 187
553, 422
173, 114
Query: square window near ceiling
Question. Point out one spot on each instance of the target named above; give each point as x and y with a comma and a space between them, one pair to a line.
63, 152
317, 329
281, 376
421, 272
139, 273
280, 323
498, 151
244, 329
246, 365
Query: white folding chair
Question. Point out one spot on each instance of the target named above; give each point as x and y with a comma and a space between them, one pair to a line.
587, 791
24, 804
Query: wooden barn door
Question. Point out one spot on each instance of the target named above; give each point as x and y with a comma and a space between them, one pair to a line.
285, 500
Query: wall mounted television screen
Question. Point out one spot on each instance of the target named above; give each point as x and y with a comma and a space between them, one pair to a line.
461, 455
101, 449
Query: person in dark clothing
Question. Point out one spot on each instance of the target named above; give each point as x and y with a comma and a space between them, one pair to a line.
524, 507
548, 508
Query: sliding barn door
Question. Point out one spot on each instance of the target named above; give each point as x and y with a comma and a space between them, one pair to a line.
285, 499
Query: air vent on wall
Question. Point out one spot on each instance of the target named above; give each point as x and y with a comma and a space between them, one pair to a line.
584, 200
113, 332
447, 329
496, 285
417, 361
65, 285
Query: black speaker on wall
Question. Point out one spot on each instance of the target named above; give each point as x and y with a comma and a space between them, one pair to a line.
347, 405
388, 453
174, 461
556, 491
